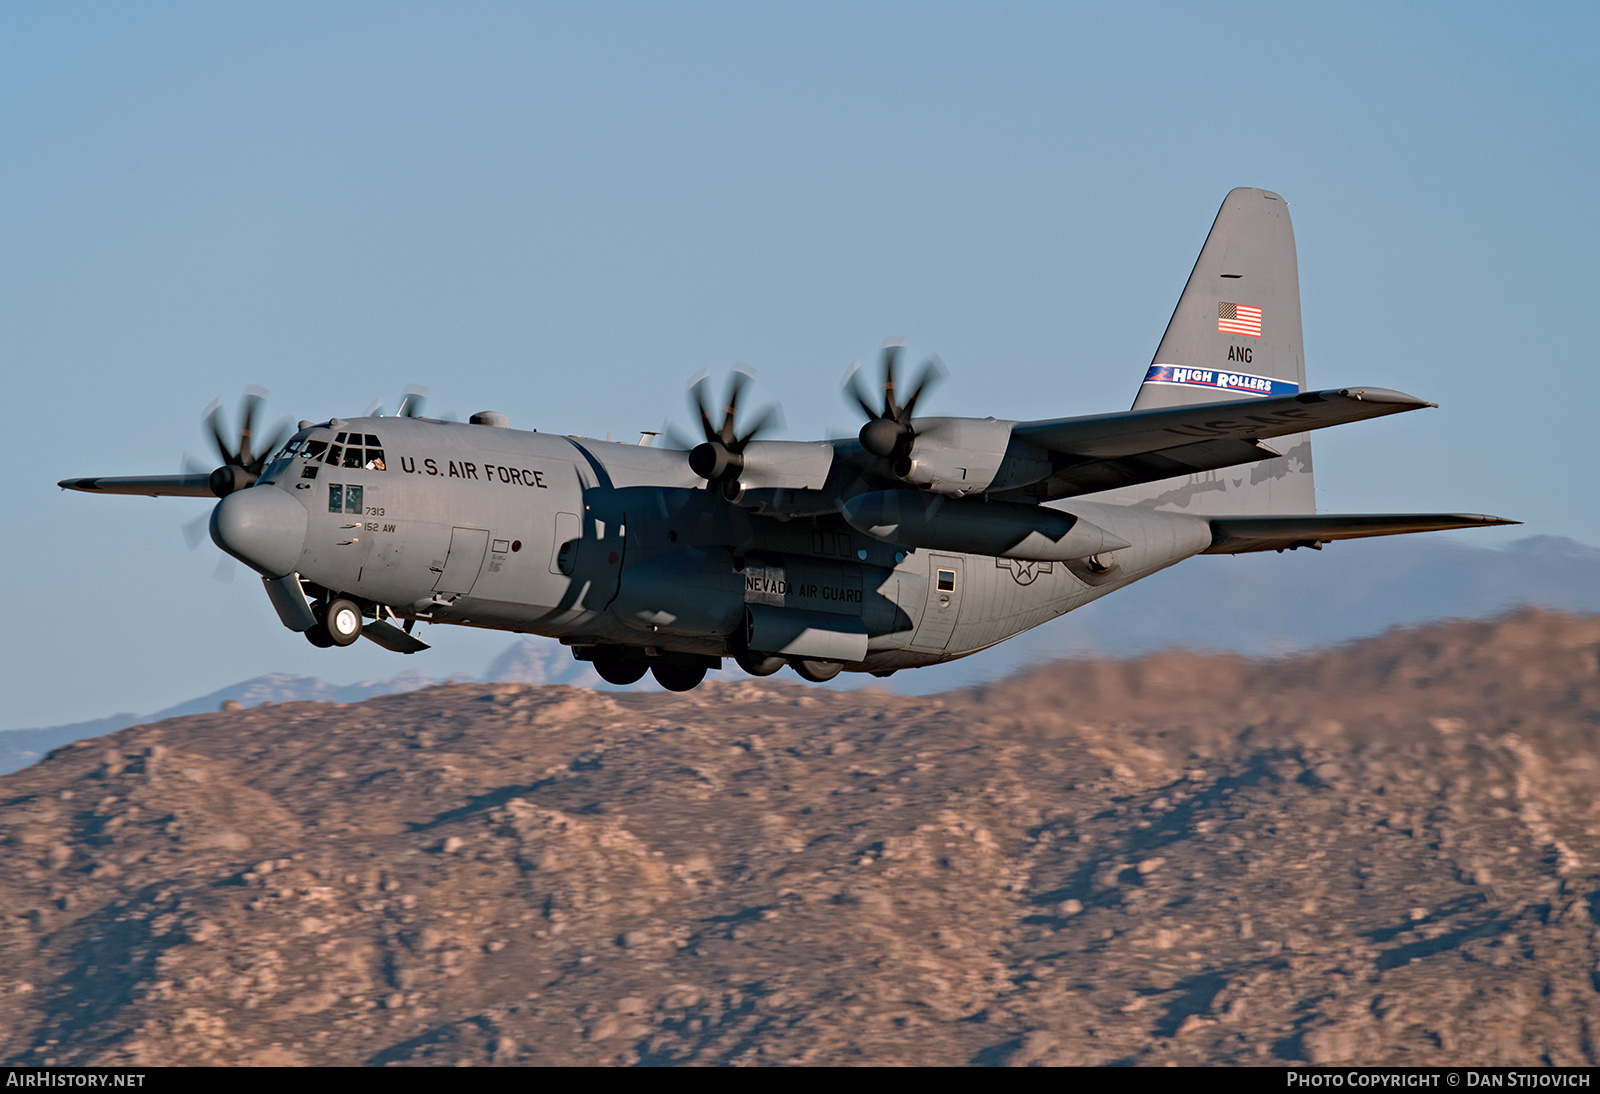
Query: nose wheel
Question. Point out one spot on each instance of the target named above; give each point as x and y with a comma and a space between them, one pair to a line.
338, 624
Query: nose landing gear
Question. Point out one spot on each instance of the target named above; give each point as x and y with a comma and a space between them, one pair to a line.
338, 624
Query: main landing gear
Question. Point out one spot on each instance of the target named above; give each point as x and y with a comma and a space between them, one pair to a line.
623, 665
817, 672
620, 665
760, 664
678, 677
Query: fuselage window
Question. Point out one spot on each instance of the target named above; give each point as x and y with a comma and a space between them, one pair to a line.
947, 581
335, 498
352, 499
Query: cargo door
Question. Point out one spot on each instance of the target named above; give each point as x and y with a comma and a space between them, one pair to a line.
461, 565
946, 579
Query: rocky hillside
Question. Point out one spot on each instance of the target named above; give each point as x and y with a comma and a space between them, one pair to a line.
1387, 852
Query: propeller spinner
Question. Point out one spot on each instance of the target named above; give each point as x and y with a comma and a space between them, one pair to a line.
720, 458
889, 433
242, 461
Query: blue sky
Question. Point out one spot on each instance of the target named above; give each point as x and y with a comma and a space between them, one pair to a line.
562, 212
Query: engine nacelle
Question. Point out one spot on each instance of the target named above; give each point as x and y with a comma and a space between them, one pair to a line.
766, 465
961, 456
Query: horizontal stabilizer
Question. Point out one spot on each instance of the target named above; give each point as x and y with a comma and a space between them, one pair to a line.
391, 637
153, 486
1239, 535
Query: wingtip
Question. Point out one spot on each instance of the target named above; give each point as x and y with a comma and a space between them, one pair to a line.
1384, 395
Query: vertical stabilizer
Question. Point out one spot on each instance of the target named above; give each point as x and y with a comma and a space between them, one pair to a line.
1235, 336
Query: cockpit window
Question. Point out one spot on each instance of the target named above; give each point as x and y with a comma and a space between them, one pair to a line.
287, 450
350, 455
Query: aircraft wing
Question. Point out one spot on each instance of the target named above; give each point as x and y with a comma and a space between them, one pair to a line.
1240, 535
154, 486
1105, 451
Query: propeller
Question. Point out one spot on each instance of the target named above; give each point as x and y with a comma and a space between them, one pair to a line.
719, 459
409, 406
411, 402
889, 433
195, 533
242, 460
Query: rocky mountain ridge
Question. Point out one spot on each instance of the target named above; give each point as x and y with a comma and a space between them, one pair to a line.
1387, 852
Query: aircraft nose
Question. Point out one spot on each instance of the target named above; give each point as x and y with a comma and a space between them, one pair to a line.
262, 527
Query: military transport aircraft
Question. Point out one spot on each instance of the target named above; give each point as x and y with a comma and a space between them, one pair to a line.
921, 540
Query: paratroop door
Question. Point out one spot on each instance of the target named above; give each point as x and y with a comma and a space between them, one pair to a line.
945, 579
461, 565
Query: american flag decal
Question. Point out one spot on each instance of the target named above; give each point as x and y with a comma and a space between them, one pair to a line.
1239, 319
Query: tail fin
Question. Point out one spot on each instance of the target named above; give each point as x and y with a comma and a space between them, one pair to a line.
1235, 335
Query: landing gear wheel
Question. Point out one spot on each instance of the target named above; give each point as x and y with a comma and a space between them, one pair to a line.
318, 636
342, 620
619, 665
760, 664
678, 677
818, 672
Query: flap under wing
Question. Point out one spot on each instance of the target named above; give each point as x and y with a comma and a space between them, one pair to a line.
1093, 475
154, 486
1135, 432
1239, 535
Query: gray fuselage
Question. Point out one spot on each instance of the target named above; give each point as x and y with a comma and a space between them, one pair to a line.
598, 543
